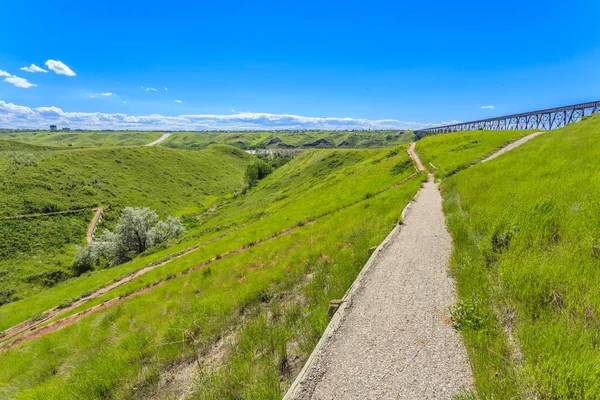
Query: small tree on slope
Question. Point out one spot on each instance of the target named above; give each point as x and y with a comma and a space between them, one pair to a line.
137, 230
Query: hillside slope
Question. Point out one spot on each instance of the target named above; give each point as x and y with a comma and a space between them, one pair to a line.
10, 145
37, 252
82, 139
250, 297
287, 140
526, 229
446, 154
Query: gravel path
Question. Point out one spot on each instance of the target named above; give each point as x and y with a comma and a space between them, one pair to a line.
395, 339
513, 145
160, 139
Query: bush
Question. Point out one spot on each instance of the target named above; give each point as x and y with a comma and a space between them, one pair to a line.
469, 314
165, 230
86, 258
257, 171
137, 230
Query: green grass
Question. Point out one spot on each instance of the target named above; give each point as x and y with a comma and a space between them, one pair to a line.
36, 253
201, 140
10, 145
82, 139
453, 152
526, 230
166, 180
302, 139
267, 300
313, 184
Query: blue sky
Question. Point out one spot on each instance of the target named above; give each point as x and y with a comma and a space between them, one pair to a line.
303, 64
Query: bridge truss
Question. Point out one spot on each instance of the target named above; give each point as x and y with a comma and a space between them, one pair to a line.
543, 120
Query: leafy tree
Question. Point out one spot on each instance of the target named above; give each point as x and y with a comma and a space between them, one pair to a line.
165, 230
256, 171
137, 230
133, 227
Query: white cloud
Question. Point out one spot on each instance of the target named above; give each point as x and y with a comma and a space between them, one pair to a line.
19, 82
232, 110
4, 73
13, 109
488, 107
148, 89
124, 102
60, 68
166, 88
16, 116
177, 101
33, 68
107, 94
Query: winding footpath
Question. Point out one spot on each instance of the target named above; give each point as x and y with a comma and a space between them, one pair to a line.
393, 337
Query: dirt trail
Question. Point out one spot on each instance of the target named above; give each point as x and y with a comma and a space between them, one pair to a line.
30, 330
415, 157
394, 337
90, 232
512, 146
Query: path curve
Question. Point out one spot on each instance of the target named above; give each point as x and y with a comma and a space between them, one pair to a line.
159, 140
393, 337
511, 146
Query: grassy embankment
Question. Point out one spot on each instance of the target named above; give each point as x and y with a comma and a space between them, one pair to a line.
450, 153
201, 140
82, 139
243, 325
36, 252
303, 139
526, 230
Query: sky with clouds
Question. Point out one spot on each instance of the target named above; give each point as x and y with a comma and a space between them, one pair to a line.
340, 64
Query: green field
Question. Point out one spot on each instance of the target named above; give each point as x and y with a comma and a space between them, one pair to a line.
279, 287
36, 252
82, 139
201, 140
447, 154
526, 229
289, 140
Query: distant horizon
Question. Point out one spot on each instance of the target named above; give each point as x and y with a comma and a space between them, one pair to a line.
48, 116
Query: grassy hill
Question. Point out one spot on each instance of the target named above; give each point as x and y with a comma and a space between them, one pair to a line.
202, 140
236, 314
36, 252
284, 140
526, 230
446, 154
82, 139
10, 145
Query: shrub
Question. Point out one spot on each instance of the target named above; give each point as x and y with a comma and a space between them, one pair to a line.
165, 230
85, 259
257, 171
401, 167
469, 314
137, 230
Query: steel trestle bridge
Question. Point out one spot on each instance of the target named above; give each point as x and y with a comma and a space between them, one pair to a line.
544, 120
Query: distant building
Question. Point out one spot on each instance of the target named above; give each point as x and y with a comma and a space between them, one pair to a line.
66, 129
53, 127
